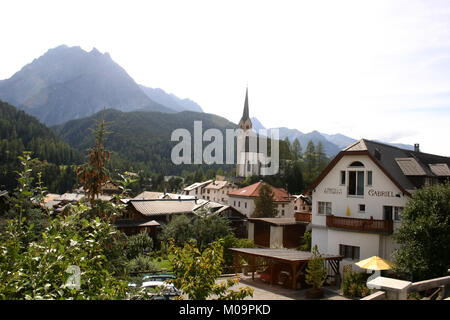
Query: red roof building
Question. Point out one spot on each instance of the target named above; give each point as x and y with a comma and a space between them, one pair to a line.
243, 200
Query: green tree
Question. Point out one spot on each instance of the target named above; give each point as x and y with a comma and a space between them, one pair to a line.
203, 228
316, 273
306, 241
38, 270
138, 244
199, 176
94, 175
197, 273
424, 235
296, 150
265, 205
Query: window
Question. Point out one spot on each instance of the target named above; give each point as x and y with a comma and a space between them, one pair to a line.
234, 203
282, 212
245, 205
387, 213
282, 205
362, 208
342, 177
349, 252
398, 213
324, 207
356, 164
369, 178
239, 204
295, 207
356, 183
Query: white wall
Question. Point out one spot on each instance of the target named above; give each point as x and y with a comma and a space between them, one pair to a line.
330, 190
276, 236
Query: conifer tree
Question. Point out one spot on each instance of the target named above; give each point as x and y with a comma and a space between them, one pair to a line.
94, 175
315, 271
265, 206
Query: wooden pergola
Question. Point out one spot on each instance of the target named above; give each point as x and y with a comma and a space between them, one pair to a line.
297, 260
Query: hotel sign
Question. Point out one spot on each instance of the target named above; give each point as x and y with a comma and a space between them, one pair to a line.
375, 193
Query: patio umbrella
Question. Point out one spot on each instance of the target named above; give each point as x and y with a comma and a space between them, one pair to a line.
374, 263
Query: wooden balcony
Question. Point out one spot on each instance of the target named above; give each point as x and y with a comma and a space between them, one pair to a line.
364, 225
303, 216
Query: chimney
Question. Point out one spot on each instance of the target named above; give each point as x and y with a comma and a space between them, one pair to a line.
416, 147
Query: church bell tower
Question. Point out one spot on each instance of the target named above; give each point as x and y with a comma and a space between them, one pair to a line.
249, 158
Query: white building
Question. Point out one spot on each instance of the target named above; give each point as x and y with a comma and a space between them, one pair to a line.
244, 200
195, 189
217, 191
358, 199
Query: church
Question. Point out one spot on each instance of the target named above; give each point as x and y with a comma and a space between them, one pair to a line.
248, 158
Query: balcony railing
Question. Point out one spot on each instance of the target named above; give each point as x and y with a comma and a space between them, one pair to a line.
367, 225
303, 216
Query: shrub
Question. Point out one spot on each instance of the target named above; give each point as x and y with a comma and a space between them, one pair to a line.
354, 285
140, 243
142, 263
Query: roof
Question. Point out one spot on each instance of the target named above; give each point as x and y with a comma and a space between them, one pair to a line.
136, 223
246, 114
283, 254
410, 167
440, 169
70, 197
196, 185
252, 191
163, 206
217, 185
149, 195
278, 221
398, 164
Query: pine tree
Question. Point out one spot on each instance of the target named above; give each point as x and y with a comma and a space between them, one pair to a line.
265, 206
316, 272
94, 175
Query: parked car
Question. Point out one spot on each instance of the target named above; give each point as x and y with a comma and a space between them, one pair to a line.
158, 277
161, 289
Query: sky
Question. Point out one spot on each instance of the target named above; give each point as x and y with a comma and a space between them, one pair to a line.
366, 69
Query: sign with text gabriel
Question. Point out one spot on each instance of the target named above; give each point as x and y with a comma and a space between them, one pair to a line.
375, 193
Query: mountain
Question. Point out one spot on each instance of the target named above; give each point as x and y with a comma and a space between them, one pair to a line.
19, 132
333, 143
256, 124
141, 137
69, 83
170, 100
339, 140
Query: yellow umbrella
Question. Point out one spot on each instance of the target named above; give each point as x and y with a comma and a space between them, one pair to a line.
374, 263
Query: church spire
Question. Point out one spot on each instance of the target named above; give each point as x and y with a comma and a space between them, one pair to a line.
245, 122
245, 116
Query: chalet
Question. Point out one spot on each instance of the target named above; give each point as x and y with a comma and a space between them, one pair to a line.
152, 214
302, 208
359, 197
244, 200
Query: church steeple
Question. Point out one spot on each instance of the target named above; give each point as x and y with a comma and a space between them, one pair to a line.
245, 122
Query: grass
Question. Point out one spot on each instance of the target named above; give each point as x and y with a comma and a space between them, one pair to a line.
164, 263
